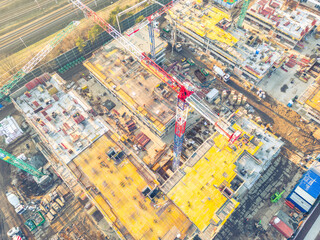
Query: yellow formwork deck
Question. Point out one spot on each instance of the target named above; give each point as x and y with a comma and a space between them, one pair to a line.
314, 101
197, 194
206, 26
121, 198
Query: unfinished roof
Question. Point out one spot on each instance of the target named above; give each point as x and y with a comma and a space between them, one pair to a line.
137, 88
61, 118
198, 193
295, 24
258, 61
233, 44
202, 189
122, 198
203, 22
313, 102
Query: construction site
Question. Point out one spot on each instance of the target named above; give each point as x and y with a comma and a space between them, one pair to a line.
199, 122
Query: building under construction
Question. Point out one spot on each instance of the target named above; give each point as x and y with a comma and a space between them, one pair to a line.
213, 30
207, 187
61, 118
127, 194
140, 91
287, 28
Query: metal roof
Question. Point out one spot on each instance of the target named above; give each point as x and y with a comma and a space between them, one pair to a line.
311, 184
306, 191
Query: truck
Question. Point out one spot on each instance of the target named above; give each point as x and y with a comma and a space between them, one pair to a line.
14, 201
178, 47
204, 71
185, 65
190, 62
202, 78
219, 72
15, 233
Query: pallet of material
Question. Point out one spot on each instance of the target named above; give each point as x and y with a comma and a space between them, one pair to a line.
142, 139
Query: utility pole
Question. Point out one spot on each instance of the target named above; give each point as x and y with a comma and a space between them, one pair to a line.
37, 3
23, 42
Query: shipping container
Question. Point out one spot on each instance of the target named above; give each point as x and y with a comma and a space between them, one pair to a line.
283, 228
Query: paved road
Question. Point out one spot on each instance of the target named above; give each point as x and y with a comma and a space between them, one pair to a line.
311, 229
44, 26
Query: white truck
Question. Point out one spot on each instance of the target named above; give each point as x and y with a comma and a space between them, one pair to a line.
218, 71
14, 201
16, 234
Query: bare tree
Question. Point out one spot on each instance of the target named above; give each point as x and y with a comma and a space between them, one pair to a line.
8, 66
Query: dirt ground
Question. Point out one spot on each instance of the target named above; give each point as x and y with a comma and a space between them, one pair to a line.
81, 226
286, 123
8, 216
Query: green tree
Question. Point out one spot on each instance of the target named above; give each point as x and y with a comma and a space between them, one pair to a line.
112, 19
116, 10
139, 19
94, 32
80, 43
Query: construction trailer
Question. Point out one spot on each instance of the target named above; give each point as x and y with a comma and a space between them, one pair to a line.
305, 194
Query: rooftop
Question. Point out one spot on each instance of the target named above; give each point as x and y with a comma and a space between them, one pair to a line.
245, 50
204, 22
124, 198
198, 193
293, 23
137, 88
219, 171
313, 102
62, 118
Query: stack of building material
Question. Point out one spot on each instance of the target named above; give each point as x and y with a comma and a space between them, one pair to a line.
78, 118
142, 139
131, 126
291, 63
36, 81
10, 129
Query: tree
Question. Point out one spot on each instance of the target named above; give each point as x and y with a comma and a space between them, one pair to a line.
112, 19
8, 66
80, 43
139, 19
94, 32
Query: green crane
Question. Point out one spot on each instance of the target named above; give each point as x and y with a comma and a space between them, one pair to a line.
243, 12
9, 158
277, 196
5, 90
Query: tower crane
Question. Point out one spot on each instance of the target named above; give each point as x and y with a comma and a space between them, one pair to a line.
152, 40
148, 21
185, 96
243, 12
5, 90
9, 158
